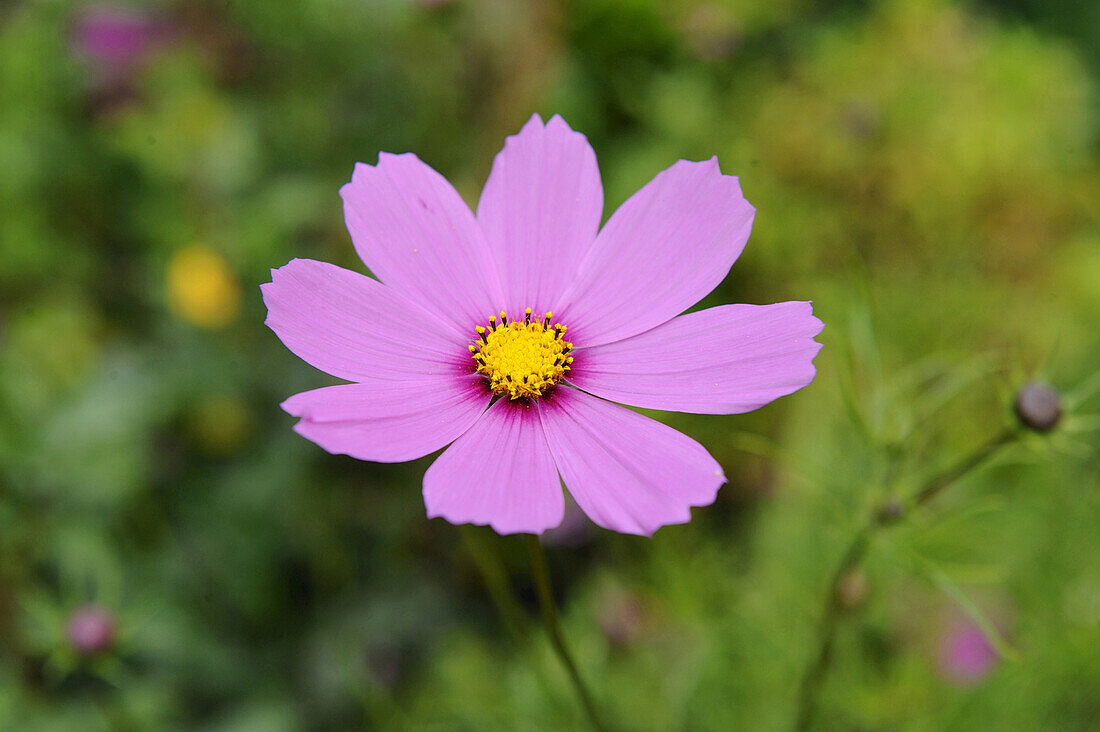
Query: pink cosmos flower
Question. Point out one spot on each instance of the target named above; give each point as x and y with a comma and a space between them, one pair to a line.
965, 656
91, 630
116, 39
509, 333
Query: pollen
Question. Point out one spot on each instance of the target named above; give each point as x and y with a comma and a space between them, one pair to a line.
522, 359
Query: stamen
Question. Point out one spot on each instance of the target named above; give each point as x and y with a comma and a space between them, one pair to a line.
522, 359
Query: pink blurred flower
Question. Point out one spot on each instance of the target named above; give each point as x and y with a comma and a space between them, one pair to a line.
965, 656
574, 530
91, 630
455, 341
115, 39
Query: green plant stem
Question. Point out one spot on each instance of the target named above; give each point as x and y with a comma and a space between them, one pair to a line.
936, 484
853, 557
815, 673
495, 578
550, 615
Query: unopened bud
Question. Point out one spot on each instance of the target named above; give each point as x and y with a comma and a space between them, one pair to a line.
91, 630
851, 590
891, 511
622, 619
1038, 406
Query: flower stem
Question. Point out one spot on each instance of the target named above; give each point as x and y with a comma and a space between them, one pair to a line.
932, 488
815, 674
853, 557
550, 615
495, 578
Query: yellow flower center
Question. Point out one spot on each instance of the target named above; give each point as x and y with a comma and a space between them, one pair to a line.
522, 359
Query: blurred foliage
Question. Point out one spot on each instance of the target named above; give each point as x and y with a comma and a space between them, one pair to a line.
926, 172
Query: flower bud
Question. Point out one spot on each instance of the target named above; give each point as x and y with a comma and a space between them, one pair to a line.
891, 511
91, 630
621, 618
1038, 406
851, 590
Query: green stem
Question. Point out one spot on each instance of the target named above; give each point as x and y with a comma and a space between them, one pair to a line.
495, 577
853, 557
815, 674
550, 615
936, 484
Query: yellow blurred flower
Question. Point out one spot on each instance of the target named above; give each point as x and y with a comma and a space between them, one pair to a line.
201, 288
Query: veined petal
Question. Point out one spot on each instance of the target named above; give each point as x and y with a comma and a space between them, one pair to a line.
540, 211
498, 473
629, 473
356, 328
724, 360
389, 421
669, 245
417, 235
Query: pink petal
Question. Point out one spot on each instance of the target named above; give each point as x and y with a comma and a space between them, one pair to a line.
670, 244
540, 211
498, 473
629, 473
356, 328
725, 360
418, 236
389, 421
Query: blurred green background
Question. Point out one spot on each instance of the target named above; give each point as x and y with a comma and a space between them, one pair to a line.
173, 556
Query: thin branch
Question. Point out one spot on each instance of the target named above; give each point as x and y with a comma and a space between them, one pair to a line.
550, 615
